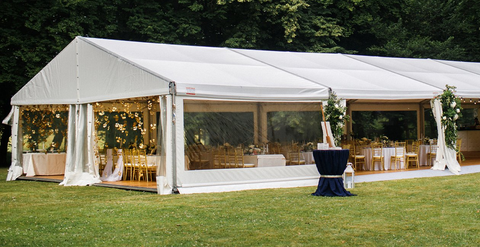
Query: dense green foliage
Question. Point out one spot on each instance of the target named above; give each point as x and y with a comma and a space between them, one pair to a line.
33, 32
436, 211
451, 111
335, 113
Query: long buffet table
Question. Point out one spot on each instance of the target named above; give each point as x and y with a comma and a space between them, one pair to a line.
44, 164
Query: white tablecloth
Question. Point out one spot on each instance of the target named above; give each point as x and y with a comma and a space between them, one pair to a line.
265, 160
422, 155
388, 152
308, 157
153, 160
44, 164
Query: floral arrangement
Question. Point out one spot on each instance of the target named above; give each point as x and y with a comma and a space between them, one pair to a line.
384, 139
308, 147
335, 113
364, 141
451, 107
253, 149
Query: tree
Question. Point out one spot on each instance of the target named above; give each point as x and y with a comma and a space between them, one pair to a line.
34, 32
416, 28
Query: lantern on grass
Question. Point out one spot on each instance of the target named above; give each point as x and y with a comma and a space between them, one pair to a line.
349, 177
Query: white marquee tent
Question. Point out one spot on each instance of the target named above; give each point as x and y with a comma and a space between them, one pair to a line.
91, 70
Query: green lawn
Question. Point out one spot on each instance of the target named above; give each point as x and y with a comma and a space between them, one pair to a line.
440, 211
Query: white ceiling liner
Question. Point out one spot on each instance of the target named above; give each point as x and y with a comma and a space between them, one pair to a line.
90, 70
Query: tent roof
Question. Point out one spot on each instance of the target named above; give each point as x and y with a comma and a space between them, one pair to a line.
91, 70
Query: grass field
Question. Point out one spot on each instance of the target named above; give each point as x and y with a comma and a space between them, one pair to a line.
440, 211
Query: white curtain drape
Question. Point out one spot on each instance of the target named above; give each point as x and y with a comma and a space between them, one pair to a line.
80, 167
117, 174
13, 119
446, 157
107, 171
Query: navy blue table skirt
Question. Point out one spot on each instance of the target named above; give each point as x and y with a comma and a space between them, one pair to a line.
331, 164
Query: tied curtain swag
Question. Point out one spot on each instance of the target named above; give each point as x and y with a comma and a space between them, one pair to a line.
80, 167
13, 119
446, 157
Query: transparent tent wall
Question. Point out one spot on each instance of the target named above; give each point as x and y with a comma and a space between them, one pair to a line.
394, 125
216, 130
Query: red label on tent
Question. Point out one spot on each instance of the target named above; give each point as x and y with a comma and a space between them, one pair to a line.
190, 90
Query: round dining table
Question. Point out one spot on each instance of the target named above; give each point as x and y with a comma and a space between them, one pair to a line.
331, 164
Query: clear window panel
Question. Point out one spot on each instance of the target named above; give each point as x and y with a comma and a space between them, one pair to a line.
226, 134
396, 125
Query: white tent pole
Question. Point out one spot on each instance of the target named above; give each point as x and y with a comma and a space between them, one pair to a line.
173, 92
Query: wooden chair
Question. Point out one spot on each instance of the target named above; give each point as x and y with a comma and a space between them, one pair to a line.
296, 158
140, 161
377, 156
230, 158
412, 156
399, 155
357, 159
432, 153
219, 158
197, 156
103, 163
459, 153
239, 159
128, 164
151, 169
274, 148
409, 145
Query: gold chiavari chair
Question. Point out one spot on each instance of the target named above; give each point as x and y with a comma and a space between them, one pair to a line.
219, 158
412, 156
231, 158
408, 145
135, 167
377, 156
142, 166
198, 157
296, 158
151, 168
274, 148
459, 153
102, 162
358, 159
239, 159
127, 164
399, 155
432, 152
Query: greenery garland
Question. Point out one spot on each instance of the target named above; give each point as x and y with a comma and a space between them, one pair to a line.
451, 107
335, 113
